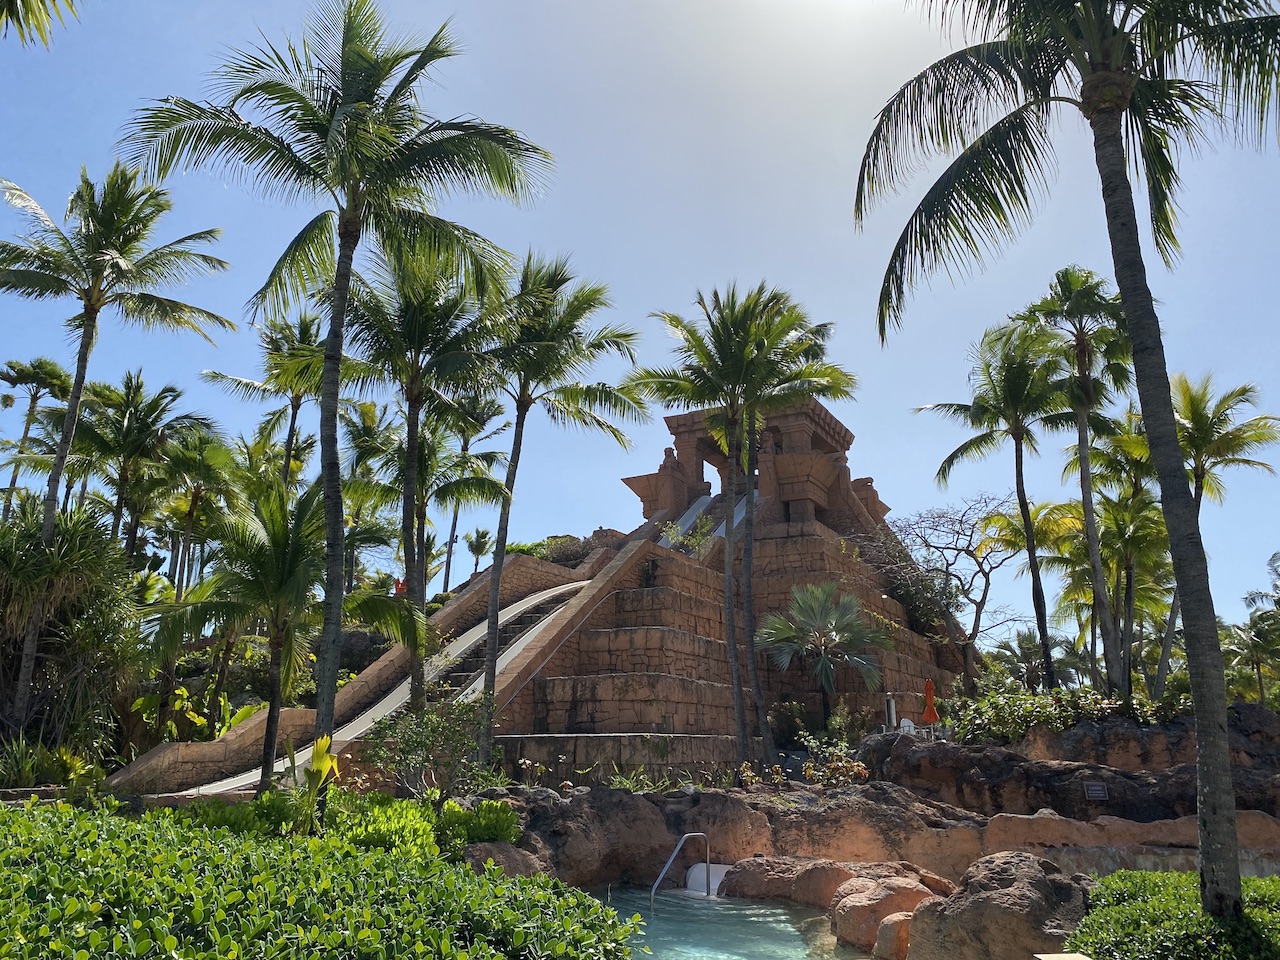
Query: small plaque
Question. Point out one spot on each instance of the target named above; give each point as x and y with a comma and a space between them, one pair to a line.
1095, 791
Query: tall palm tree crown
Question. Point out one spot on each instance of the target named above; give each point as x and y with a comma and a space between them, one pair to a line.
1088, 324
1016, 391
103, 261
335, 121
545, 352
1148, 78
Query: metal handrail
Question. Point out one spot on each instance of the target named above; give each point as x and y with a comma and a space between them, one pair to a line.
671, 859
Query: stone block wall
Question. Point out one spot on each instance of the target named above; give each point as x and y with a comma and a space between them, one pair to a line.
594, 759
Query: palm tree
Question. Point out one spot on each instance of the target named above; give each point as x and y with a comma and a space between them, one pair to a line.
543, 353
1015, 391
336, 120
472, 415
268, 564
1165, 69
127, 431
33, 19
1255, 645
827, 631
1211, 436
422, 335
756, 355
1089, 328
1269, 598
40, 378
292, 360
199, 467
102, 261
479, 543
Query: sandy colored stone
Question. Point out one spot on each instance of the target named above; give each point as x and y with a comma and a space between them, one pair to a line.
1009, 907
893, 938
812, 883
861, 904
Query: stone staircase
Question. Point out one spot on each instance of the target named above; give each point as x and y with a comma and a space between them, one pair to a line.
465, 671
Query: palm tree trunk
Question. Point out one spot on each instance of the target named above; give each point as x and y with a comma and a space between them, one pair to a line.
131, 533
222, 664
117, 512
1126, 688
1219, 848
1098, 577
415, 590
31, 635
495, 588
175, 560
290, 439
1166, 647
22, 448
274, 699
730, 620
181, 587
1262, 693
1033, 566
769, 748
329, 648
453, 540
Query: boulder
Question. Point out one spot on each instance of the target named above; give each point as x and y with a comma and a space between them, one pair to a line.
513, 861
1009, 907
862, 903
812, 883
893, 937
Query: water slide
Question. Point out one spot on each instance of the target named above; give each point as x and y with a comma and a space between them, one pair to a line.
436, 668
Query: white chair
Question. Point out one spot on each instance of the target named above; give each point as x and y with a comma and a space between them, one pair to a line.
906, 726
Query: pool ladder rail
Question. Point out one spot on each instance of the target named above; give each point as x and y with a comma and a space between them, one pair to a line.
672, 859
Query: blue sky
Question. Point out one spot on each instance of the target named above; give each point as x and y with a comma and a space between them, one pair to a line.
696, 144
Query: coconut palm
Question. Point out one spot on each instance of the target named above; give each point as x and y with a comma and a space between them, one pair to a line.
39, 379
754, 355
126, 432
102, 262
268, 566
828, 631
479, 543
544, 352
335, 120
1089, 328
1015, 383
1212, 436
292, 360
199, 468
422, 334
1145, 76
1255, 645
473, 413
33, 19
1269, 598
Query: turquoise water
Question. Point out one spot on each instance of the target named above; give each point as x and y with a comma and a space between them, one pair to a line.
688, 928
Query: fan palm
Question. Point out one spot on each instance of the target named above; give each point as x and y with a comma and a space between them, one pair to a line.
336, 120
827, 631
1089, 329
268, 565
292, 360
753, 355
544, 352
1015, 384
1147, 76
39, 379
101, 262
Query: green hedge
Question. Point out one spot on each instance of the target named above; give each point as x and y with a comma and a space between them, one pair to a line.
85, 886
1156, 916
1006, 717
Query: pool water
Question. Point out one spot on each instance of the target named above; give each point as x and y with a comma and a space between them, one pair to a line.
689, 928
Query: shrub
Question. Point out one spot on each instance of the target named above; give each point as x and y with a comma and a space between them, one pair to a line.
375, 821
269, 815
91, 885
1156, 916
1006, 717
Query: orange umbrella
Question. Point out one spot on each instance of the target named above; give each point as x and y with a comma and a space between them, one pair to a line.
930, 711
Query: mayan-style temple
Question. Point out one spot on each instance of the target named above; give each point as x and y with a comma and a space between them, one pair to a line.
619, 661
